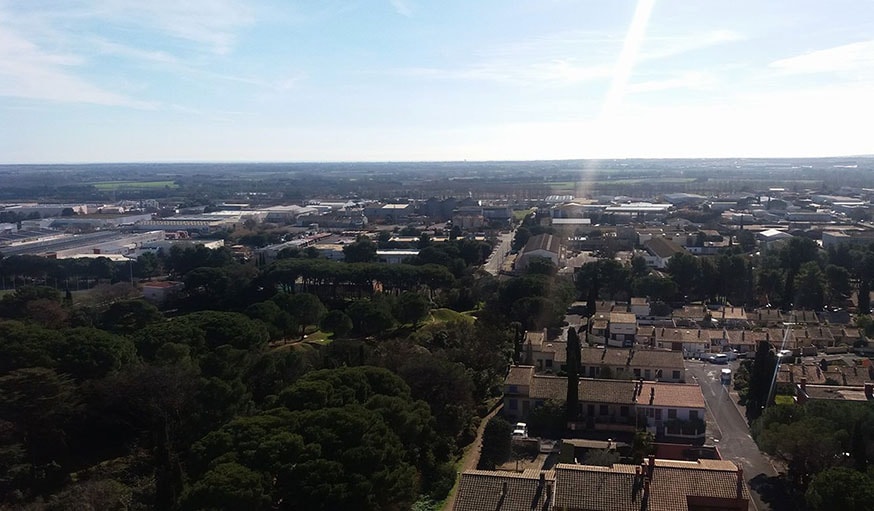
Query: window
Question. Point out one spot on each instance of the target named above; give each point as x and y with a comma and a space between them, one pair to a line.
693, 414
672, 413
514, 405
513, 390
549, 363
590, 410
675, 375
658, 414
647, 374
637, 373
623, 411
604, 410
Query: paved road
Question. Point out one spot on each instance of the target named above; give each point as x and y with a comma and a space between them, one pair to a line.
727, 428
505, 242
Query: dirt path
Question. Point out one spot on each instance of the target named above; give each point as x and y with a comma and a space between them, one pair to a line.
471, 456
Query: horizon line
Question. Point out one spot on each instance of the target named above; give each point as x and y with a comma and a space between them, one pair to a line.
262, 162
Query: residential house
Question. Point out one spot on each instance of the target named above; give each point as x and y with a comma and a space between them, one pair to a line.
622, 329
666, 409
692, 342
648, 364
660, 250
547, 356
654, 485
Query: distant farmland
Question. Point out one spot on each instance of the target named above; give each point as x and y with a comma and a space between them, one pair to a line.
109, 186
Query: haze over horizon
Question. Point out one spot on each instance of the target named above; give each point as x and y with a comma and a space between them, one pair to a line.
403, 80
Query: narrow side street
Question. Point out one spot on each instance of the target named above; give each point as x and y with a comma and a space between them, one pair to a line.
727, 427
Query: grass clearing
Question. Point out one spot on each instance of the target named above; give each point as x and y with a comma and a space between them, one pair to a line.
783, 399
447, 315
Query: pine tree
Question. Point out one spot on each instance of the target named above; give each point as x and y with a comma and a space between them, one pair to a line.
573, 373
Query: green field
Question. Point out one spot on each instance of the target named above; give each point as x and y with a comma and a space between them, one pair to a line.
447, 315
108, 186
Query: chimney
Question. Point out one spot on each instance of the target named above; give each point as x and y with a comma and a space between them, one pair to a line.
804, 385
651, 394
651, 467
869, 390
740, 483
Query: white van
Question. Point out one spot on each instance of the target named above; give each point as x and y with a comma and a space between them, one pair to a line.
725, 376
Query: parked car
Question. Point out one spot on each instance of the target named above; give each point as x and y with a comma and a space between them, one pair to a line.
719, 358
784, 354
520, 430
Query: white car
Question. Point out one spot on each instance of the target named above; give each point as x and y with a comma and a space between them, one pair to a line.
520, 430
785, 354
719, 358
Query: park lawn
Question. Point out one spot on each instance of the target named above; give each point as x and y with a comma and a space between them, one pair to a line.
108, 186
783, 399
447, 315
319, 337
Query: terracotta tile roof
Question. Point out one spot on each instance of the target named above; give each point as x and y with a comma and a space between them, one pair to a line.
681, 335
671, 395
623, 317
548, 387
662, 247
546, 242
767, 316
535, 338
672, 485
592, 356
519, 375
801, 316
505, 491
591, 488
606, 391
673, 482
657, 358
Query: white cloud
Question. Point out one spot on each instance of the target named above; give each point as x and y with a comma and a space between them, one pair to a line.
402, 7
848, 57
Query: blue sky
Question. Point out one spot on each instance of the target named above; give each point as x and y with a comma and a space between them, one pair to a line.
389, 80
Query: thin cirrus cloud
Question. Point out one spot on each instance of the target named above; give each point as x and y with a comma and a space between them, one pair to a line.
28, 72
571, 58
214, 24
856, 56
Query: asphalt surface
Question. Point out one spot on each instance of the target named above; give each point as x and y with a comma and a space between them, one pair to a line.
727, 428
494, 262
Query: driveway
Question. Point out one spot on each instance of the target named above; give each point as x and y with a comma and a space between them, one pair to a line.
727, 427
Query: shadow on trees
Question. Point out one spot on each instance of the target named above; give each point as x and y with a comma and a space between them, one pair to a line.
777, 492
